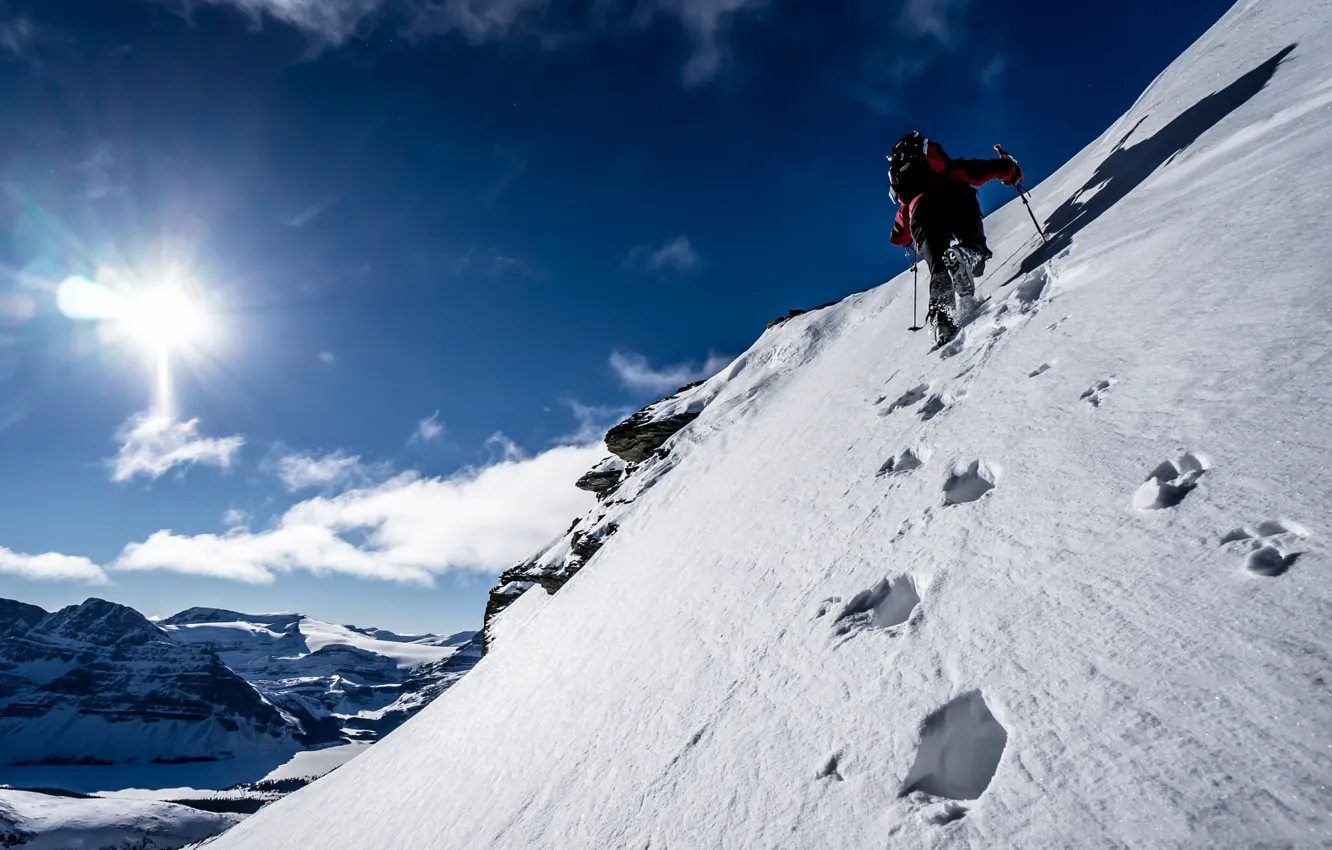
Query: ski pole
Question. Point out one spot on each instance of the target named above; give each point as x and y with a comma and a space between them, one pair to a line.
1022, 191
915, 288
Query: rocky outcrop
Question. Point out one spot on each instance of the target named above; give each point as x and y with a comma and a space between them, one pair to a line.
636, 438
603, 478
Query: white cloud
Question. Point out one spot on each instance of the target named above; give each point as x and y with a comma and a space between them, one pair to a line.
50, 567
152, 444
705, 21
427, 429
330, 21
636, 373
676, 255
408, 528
303, 471
333, 22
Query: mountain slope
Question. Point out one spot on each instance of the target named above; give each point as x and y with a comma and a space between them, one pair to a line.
98, 683
1063, 584
340, 682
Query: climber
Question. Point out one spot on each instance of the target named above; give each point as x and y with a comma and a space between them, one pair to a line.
937, 202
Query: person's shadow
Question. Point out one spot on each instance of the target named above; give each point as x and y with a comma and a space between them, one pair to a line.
1125, 168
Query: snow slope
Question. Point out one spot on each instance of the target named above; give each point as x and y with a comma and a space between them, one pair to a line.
1063, 584
43, 822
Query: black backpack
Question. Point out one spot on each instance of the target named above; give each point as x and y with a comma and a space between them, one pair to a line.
909, 173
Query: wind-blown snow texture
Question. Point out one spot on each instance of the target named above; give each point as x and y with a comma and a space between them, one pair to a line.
1088, 664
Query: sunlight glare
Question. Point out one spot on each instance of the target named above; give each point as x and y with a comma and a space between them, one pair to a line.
165, 318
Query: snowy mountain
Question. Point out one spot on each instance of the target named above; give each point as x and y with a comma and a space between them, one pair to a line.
341, 682
99, 683
1063, 583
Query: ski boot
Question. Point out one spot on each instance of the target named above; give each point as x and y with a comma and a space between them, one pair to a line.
960, 261
941, 325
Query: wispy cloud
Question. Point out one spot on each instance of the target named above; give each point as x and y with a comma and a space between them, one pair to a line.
304, 471
99, 170
235, 517
636, 373
50, 567
676, 255
409, 528
17, 35
428, 429
494, 264
993, 73
313, 211
152, 444
937, 19
330, 23
593, 421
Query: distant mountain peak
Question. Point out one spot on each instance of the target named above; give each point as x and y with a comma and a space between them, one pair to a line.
282, 620
99, 622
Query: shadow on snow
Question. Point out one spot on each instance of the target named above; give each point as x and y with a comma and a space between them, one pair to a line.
1126, 168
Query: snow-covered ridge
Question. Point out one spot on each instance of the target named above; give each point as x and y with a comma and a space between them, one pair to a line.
1063, 583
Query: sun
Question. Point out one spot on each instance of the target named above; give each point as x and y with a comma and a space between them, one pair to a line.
165, 318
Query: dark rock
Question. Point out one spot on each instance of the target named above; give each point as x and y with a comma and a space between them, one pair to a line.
603, 478
636, 438
17, 617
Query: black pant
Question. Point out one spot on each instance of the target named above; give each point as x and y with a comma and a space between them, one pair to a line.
943, 212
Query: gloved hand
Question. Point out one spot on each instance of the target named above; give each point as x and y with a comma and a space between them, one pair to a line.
1015, 177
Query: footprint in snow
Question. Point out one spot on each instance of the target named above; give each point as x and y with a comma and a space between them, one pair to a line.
1096, 392
1171, 482
938, 403
961, 745
886, 605
1029, 290
1269, 546
907, 399
969, 483
905, 462
828, 770
1271, 561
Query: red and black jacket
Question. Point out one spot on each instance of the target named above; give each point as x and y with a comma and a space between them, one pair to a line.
974, 172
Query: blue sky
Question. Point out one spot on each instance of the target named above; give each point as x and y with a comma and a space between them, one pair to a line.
434, 249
